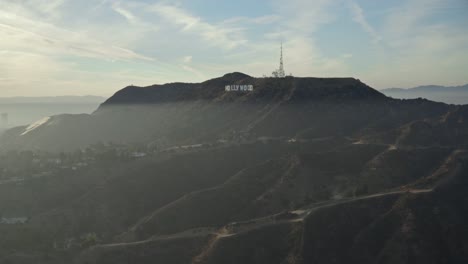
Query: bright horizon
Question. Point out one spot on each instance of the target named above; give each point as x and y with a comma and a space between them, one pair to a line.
64, 47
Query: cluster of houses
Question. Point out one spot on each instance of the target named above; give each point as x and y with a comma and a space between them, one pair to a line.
13, 220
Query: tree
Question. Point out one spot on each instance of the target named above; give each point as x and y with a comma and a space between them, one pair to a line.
275, 74
88, 240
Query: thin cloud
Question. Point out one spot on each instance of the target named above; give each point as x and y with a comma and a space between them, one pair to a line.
190, 69
220, 36
132, 19
360, 18
21, 33
187, 59
261, 20
429, 50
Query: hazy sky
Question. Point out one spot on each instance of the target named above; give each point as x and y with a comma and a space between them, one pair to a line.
71, 47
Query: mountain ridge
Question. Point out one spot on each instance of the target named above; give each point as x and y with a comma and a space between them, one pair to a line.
446, 94
298, 88
428, 88
190, 113
53, 99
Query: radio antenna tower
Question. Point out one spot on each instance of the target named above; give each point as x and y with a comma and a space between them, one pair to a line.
281, 73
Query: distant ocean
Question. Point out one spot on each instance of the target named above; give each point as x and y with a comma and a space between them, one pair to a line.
20, 114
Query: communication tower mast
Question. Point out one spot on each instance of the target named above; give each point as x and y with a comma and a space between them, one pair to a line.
279, 73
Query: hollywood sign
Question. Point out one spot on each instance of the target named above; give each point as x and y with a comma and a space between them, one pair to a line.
238, 88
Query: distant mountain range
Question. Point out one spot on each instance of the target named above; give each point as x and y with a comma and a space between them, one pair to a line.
27, 110
446, 94
52, 99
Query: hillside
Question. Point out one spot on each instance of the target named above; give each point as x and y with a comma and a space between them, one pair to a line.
299, 170
414, 226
